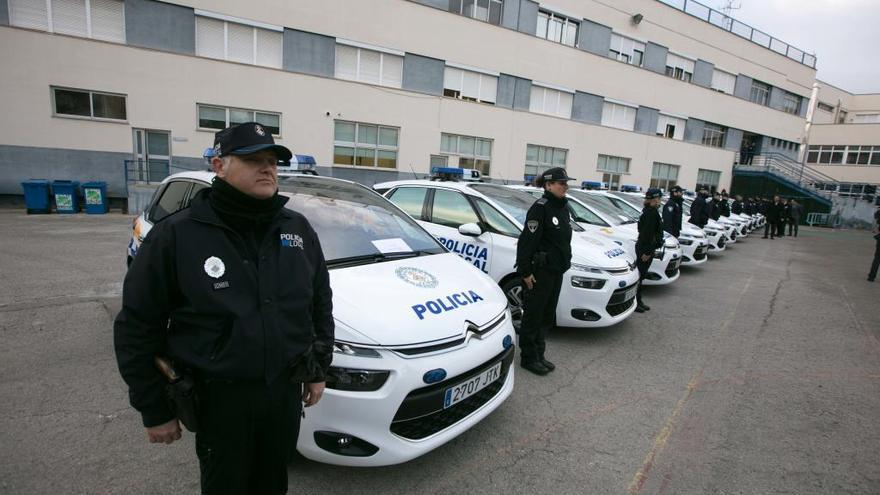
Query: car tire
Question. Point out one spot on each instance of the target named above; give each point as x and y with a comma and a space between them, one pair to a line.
512, 288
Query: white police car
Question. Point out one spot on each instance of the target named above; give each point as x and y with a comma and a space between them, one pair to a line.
667, 260
424, 342
693, 241
482, 222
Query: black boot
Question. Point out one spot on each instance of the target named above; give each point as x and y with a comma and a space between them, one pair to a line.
547, 364
536, 367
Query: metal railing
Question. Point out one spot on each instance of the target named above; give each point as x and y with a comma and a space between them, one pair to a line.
784, 167
742, 30
152, 171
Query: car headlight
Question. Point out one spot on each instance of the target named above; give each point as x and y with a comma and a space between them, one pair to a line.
586, 269
671, 244
658, 254
350, 350
587, 282
354, 380
685, 241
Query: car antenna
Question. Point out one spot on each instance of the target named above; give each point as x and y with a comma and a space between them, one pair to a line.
413, 171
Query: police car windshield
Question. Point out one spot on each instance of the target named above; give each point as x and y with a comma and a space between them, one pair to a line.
515, 202
628, 206
609, 212
354, 223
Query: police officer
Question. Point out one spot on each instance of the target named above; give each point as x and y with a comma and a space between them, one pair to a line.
650, 239
772, 212
672, 211
715, 206
725, 205
214, 290
543, 254
737, 207
699, 209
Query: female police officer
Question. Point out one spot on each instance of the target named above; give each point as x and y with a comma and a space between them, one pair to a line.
543, 254
650, 239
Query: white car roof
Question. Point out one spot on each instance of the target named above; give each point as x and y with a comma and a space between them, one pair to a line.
200, 175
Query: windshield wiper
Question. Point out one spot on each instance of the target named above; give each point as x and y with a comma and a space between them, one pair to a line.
365, 259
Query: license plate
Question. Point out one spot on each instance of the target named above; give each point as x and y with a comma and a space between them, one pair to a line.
675, 263
463, 390
631, 293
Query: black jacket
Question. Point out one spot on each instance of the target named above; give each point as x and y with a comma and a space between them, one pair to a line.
714, 208
672, 216
737, 207
547, 230
699, 214
725, 208
650, 232
786, 212
773, 212
797, 211
247, 320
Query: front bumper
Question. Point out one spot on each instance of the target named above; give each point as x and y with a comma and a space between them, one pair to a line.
717, 241
405, 418
587, 308
665, 270
695, 254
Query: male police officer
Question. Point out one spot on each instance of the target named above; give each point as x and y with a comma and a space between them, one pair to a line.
699, 209
650, 239
672, 211
214, 289
543, 254
737, 206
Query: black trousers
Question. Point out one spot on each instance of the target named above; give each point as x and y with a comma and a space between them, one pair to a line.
772, 228
539, 314
643, 267
780, 228
793, 228
876, 263
247, 431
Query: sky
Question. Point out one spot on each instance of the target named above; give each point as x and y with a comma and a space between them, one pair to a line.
844, 35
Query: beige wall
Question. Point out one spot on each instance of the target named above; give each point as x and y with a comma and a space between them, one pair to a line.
162, 91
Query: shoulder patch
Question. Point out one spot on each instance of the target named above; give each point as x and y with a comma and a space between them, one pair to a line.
541, 201
532, 225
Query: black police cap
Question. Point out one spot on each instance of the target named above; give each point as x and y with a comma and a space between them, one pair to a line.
247, 138
555, 174
676, 189
653, 193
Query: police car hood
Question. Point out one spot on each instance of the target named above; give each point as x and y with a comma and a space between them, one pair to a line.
413, 300
597, 251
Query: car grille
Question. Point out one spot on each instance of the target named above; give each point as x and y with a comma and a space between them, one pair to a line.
415, 351
617, 304
700, 253
421, 414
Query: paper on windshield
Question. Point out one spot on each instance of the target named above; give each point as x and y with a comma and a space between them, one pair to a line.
393, 245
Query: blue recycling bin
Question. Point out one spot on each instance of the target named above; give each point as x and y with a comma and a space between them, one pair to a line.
36, 195
66, 196
95, 194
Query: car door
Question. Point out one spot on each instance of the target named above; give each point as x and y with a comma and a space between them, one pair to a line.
446, 211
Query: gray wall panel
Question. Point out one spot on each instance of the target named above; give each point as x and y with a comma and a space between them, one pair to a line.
646, 120
423, 74
703, 73
743, 87
20, 163
309, 53
4, 13
522, 95
733, 139
506, 90
510, 14
594, 38
805, 102
162, 26
587, 108
528, 17
655, 58
693, 131
776, 97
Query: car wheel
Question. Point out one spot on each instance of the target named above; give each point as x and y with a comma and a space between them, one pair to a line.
514, 292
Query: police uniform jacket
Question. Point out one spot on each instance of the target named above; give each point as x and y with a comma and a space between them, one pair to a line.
737, 207
773, 212
672, 216
725, 208
699, 215
650, 232
714, 208
547, 230
197, 294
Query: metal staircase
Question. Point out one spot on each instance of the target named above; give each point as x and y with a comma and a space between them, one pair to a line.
808, 181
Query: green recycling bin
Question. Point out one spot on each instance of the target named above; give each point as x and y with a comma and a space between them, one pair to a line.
95, 194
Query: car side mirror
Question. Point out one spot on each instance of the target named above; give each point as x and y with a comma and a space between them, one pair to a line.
470, 230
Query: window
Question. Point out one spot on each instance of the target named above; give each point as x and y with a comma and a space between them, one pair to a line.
439, 161
364, 145
238, 42
858, 155
723, 82
541, 158
216, 118
826, 154
841, 117
670, 127
664, 175
410, 199
88, 104
558, 28
679, 67
474, 153
713, 135
171, 201
483, 10
496, 221
825, 107
626, 50
708, 179
369, 66
760, 93
452, 209
615, 164
97, 19
550, 101
581, 214
469, 85
791, 103
866, 118
612, 181
619, 116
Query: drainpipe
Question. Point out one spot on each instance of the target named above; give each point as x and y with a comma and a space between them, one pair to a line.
802, 156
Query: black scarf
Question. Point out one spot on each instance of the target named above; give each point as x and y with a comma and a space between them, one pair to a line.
554, 201
248, 216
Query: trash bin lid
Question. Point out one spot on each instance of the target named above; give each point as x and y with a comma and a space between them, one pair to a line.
94, 183
36, 182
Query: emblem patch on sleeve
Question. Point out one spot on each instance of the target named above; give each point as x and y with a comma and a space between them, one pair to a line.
532, 225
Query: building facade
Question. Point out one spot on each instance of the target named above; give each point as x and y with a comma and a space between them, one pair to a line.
641, 92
